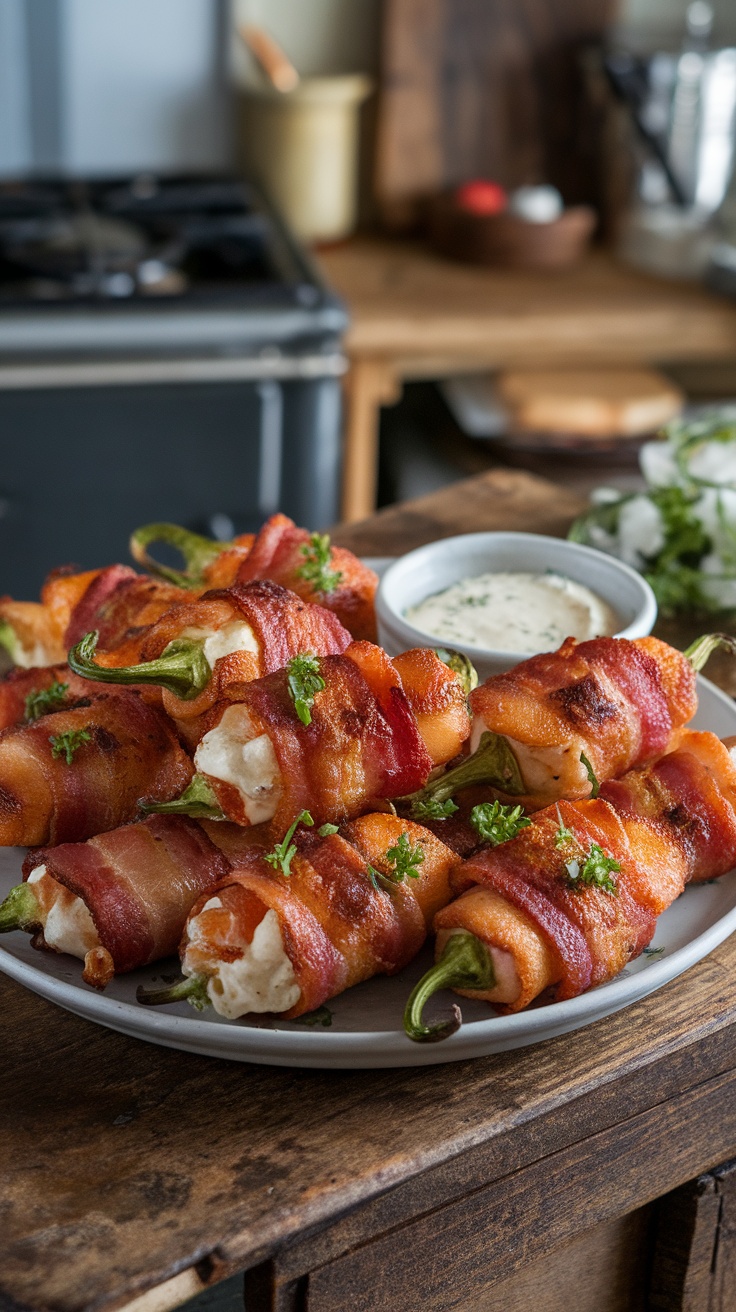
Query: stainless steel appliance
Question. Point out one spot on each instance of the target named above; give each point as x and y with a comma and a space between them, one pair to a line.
166, 352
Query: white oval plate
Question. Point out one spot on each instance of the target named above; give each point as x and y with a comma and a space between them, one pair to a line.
366, 1021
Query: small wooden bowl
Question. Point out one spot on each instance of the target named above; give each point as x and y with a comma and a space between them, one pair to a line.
507, 240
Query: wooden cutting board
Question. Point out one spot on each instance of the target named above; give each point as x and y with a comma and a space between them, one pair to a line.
489, 88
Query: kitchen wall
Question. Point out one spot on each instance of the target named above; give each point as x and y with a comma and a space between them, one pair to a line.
106, 86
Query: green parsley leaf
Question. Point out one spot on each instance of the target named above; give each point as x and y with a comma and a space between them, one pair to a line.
316, 569
595, 787
595, 871
325, 830
563, 835
304, 680
46, 699
322, 1016
67, 743
283, 853
433, 809
404, 859
495, 823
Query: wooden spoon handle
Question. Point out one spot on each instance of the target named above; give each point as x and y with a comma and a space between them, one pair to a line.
278, 68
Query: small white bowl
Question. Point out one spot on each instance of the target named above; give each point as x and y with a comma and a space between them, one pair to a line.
433, 568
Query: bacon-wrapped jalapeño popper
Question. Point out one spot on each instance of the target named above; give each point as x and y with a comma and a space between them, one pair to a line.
302, 561
201, 649
330, 736
558, 724
120, 900
115, 601
286, 931
575, 895
80, 771
25, 695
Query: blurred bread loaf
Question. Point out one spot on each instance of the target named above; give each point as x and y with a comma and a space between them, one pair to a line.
590, 402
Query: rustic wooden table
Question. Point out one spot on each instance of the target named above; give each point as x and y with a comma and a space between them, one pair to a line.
135, 1176
416, 315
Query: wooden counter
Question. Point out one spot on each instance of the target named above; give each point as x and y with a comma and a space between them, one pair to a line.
524, 1181
415, 315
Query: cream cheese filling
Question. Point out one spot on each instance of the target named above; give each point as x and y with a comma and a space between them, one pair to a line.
66, 922
261, 979
27, 658
232, 753
234, 636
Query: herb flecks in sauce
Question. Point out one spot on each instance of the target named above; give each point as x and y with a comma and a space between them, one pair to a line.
514, 612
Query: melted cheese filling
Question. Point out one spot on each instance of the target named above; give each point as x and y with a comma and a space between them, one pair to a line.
261, 979
542, 768
67, 924
27, 658
232, 753
229, 638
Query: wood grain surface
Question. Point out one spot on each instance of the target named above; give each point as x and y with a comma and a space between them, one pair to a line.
472, 89
123, 1165
421, 312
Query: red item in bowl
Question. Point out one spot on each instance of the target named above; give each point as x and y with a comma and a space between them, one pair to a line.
482, 197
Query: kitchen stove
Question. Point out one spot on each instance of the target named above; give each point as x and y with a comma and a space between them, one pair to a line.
170, 351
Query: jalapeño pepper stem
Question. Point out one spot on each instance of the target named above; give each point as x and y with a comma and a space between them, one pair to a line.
19, 910
198, 553
197, 800
460, 665
465, 963
182, 667
190, 988
700, 651
492, 762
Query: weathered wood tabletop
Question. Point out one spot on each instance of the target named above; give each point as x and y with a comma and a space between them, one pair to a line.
126, 1167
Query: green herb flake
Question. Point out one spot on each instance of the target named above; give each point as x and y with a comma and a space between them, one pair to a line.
283, 853
433, 809
317, 564
403, 860
495, 823
654, 952
45, 700
67, 743
563, 835
595, 871
322, 1016
595, 787
304, 681
324, 831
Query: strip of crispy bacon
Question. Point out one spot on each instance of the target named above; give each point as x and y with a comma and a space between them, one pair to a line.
18, 685
617, 702
338, 925
138, 883
544, 928
279, 552
131, 752
283, 626
362, 742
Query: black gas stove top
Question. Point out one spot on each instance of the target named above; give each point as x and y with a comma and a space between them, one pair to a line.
153, 265
111, 242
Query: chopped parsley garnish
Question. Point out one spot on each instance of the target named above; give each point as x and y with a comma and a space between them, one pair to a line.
46, 700
67, 743
404, 859
317, 564
595, 871
563, 835
495, 823
595, 787
283, 853
325, 830
304, 680
433, 809
322, 1016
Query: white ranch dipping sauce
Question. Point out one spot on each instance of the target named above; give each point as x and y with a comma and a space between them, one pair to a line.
514, 612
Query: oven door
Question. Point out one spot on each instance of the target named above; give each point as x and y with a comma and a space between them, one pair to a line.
83, 465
